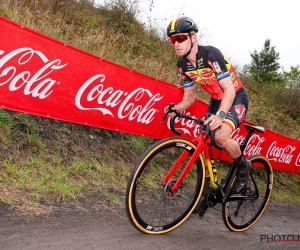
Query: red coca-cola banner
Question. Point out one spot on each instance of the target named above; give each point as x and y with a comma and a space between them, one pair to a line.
42, 76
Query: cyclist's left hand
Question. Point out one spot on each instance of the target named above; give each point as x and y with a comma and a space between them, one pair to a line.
214, 122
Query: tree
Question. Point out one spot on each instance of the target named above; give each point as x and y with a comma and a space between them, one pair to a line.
264, 65
293, 77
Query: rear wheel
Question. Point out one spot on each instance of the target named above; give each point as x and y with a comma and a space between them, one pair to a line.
239, 215
152, 207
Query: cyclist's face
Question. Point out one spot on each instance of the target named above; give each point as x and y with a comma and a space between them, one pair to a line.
182, 43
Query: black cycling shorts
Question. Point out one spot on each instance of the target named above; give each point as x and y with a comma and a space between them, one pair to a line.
236, 113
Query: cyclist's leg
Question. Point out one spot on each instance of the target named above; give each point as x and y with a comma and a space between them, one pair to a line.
242, 174
233, 119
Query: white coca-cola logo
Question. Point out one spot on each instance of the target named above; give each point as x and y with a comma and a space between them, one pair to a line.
105, 99
298, 161
283, 155
254, 144
236, 136
36, 84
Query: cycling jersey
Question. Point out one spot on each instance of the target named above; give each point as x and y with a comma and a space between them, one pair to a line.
211, 67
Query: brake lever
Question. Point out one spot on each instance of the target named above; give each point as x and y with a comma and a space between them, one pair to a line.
169, 110
164, 117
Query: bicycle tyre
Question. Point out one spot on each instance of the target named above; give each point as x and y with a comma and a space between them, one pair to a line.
251, 210
149, 207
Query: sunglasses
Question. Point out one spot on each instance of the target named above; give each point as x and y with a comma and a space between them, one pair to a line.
178, 38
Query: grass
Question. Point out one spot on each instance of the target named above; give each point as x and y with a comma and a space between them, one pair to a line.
45, 162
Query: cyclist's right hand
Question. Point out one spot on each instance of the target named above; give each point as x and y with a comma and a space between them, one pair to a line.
214, 122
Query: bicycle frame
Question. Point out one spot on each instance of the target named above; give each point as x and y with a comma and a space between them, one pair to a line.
203, 143
211, 165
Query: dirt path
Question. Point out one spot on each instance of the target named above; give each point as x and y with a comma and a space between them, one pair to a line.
109, 229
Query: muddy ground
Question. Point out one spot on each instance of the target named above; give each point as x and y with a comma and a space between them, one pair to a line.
87, 226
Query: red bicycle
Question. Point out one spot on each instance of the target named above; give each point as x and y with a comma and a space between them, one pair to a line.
167, 183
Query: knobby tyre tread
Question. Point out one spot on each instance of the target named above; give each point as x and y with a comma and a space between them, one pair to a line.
150, 208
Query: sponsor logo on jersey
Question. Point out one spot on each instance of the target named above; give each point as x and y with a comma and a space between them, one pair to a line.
217, 68
241, 111
206, 73
200, 63
232, 76
193, 76
181, 74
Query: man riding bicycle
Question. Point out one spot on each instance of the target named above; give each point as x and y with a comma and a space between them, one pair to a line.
207, 66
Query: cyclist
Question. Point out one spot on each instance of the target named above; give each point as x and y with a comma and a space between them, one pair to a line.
207, 66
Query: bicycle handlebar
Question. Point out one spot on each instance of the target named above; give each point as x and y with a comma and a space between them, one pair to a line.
199, 121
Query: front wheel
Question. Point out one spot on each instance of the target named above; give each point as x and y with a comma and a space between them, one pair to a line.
152, 207
239, 215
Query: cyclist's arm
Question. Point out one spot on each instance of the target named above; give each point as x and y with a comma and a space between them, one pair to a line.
229, 94
217, 63
188, 99
189, 88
